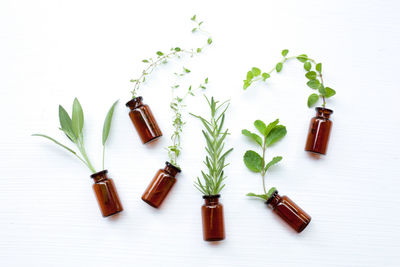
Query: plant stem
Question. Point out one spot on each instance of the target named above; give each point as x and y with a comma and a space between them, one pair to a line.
81, 148
104, 148
263, 170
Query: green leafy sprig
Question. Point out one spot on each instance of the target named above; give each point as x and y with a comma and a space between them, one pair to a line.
313, 75
73, 129
163, 57
215, 159
255, 162
177, 105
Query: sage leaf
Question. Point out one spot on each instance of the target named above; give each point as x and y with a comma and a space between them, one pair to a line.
256, 71
107, 123
55, 141
311, 75
307, 66
66, 123
285, 52
253, 161
252, 136
314, 84
274, 161
263, 196
77, 118
261, 127
329, 92
318, 67
276, 134
278, 67
312, 100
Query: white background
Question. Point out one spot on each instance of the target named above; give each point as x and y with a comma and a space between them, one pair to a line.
52, 51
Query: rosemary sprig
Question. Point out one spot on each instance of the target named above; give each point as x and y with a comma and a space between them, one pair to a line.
215, 159
315, 80
177, 105
163, 57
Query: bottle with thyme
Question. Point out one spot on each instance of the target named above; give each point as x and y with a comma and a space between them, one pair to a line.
283, 206
211, 183
103, 187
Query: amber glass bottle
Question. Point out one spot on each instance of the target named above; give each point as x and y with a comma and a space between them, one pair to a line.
106, 194
160, 186
212, 213
320, 129
297, 218
143, 120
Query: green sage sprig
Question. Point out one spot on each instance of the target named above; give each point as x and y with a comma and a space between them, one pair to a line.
313, 75
177, 105
255, 162
215, 159
162, 57
73, 129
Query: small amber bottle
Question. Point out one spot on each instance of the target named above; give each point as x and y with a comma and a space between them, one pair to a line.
160, 186
320, 129
106, 194
213, 219
143, 120
297, 218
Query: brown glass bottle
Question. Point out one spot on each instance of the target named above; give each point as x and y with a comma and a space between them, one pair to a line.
143, 120
297, 218
212, 213
160, 186
106, 194
320, 129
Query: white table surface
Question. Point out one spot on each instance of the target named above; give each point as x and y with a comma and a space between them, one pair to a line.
52, 51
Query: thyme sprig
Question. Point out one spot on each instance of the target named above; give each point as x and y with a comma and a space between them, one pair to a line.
315, 80
177, 105
163, 57
215, 159
255, 162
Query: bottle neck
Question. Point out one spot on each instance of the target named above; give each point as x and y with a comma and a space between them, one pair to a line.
323, 112
274, 200
171, 169
211, 200
99, 176
135, 103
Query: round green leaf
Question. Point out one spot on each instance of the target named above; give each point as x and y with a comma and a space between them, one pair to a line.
256, 71
250, 75
302, 58
318, 67
314, 84
312, 100
253, 161
307, 66
311, 75
279, 67
285, 52
329, 92
276, 134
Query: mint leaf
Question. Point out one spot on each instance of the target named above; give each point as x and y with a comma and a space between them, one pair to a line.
270, 192
274, 161
261, 127
252, 136
276, 134
312, 100
265, 197
271, 126
285, 52
302, 58
253, 161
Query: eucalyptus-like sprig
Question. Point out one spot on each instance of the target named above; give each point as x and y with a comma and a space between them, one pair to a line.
73, 129
255, 162
313, 75
215, 159
177, 105
163, 57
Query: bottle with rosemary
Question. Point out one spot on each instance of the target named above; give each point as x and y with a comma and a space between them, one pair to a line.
104, 187
320, 126
212, 180
140, 113
283, 206
164, 179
